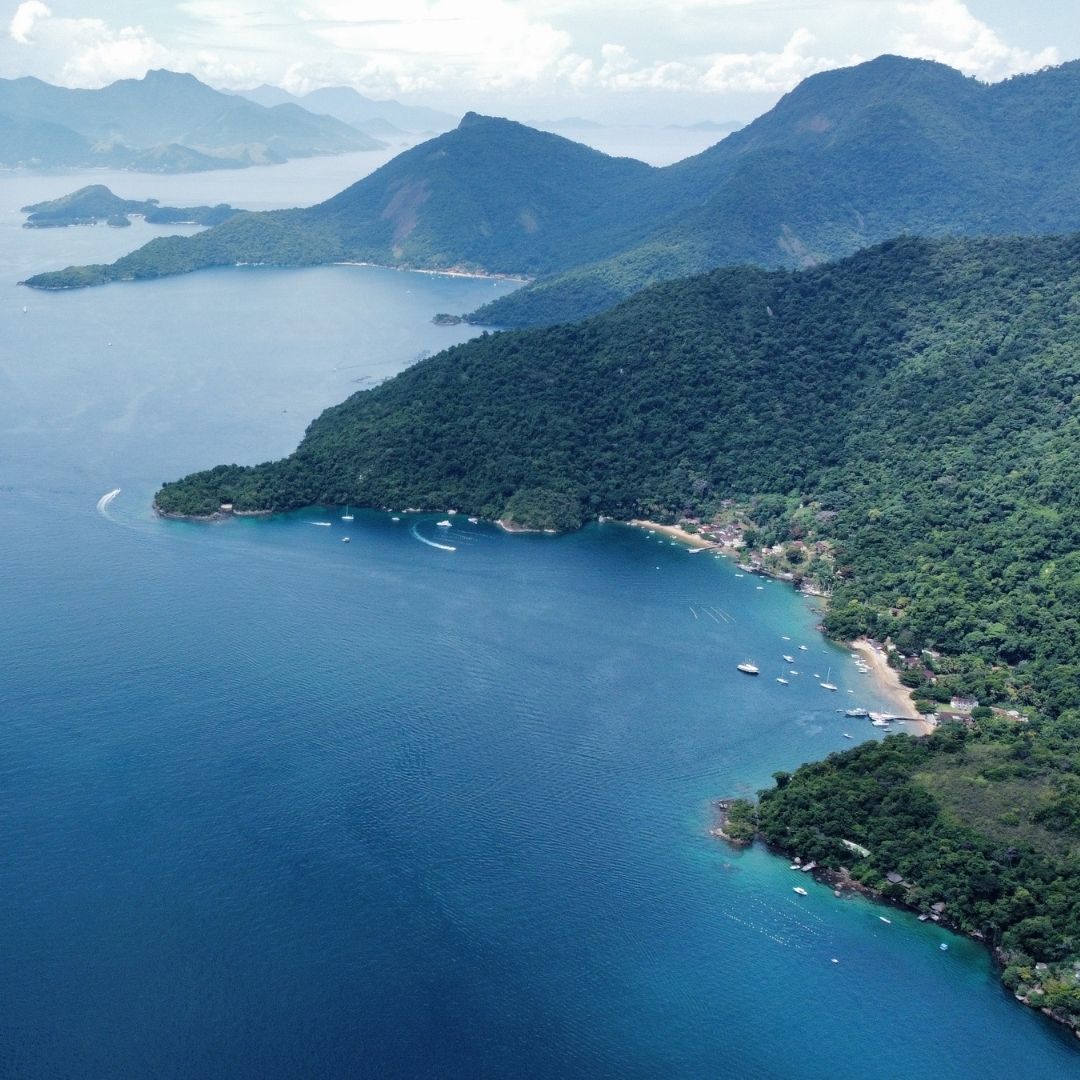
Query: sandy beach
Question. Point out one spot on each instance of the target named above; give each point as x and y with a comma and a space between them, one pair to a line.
676, 533
888, 681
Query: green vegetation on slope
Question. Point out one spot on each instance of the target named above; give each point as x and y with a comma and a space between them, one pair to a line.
915, 405
490, 195
985, 822
849, 158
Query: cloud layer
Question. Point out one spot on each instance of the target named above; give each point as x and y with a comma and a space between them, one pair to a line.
463, 47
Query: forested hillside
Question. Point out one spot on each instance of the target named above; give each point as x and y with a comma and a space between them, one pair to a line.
979, 827
849, 158
913, 404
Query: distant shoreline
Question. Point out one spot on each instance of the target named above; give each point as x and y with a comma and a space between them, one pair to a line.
455, 272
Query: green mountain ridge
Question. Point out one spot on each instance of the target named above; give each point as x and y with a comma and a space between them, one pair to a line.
849, 158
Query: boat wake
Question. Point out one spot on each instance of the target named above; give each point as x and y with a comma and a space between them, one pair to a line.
104, 502
431, 543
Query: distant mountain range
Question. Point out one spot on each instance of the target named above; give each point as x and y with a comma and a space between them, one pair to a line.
378, 118
164, 122
849, 158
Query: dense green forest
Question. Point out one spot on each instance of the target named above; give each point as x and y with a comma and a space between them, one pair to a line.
985, 822
914, 405
847, 159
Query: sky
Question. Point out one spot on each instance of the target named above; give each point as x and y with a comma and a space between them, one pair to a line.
622, 61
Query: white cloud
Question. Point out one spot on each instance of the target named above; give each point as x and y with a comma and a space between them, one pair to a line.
470, 48
22, 22
946, 30
86, 52
769, 72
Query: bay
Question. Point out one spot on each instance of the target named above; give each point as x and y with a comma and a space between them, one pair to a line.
277, 806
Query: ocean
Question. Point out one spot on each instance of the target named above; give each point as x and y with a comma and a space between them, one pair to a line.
277, 806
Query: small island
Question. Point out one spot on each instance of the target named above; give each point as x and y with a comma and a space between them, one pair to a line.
96, 203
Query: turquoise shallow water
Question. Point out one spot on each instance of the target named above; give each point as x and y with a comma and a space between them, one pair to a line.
275, 806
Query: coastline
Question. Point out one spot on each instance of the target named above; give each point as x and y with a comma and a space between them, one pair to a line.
676, 533
887, 680
456, 272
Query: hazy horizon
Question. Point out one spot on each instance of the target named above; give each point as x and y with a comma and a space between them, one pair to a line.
678, 62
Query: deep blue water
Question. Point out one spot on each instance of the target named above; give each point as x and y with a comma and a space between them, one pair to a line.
276, 806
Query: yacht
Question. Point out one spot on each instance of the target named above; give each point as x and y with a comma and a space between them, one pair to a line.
748, 669
780, 679
347, 516
800, 890
826, 685
444, 524
789, 659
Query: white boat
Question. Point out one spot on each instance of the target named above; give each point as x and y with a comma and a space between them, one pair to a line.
395, 519
444, 524
879, 722
789, 659
826, 685
780, 679
803, 648
943, 947
785, 638
847, 736
856, 712
346, 516
345, 540
474, 521
884, 920
800, 890
324, 524
793, 672
748, 669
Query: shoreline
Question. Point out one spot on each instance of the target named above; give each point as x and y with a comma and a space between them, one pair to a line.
887, 680
455, 272
677, 533
841, 882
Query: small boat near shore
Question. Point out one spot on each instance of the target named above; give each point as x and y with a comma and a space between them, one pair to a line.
444, 524
347, 516
800, 890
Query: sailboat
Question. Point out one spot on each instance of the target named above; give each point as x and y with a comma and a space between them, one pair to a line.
826, 685
346, 516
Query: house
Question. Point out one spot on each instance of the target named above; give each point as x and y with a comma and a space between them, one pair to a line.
963, 704
893, 878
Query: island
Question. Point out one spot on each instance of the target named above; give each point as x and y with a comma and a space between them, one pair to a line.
895, 431
95, 203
